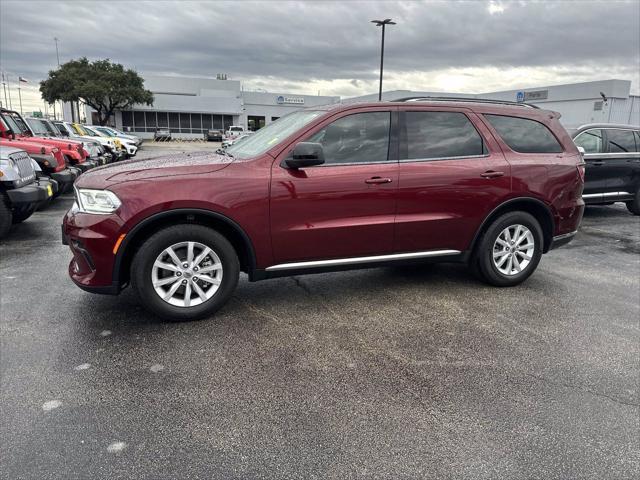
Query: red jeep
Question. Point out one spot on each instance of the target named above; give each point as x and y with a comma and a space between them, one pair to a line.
490, 184
73, 151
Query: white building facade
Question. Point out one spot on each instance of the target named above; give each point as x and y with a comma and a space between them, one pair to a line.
608, 101
189, 106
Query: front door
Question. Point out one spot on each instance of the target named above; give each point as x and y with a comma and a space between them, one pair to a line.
450, 177
346, 207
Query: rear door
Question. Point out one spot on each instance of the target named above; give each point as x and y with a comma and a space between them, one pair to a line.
596, 168
452, 173
622, 163
344, 208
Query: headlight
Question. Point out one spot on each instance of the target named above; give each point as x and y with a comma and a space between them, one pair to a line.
102, 202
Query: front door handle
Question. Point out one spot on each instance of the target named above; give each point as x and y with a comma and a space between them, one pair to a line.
598, 163
491, 174
377, 180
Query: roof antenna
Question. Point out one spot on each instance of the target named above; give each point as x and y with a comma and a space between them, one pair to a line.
604, 97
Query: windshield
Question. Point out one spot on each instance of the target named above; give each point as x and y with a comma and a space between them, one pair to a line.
91, 132
37, 126
50, 128
269, 136
11, 123
62, 130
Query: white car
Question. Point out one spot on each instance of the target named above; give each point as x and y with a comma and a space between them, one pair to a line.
66, 129
232, 141
129, 145
112, 132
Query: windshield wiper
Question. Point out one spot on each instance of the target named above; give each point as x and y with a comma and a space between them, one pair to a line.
221, 151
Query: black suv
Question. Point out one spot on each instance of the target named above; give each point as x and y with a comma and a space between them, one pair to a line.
612, 155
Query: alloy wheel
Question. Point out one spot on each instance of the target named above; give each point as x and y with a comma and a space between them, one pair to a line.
513, 250
186, 274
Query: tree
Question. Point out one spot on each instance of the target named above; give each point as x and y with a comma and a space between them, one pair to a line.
104, 86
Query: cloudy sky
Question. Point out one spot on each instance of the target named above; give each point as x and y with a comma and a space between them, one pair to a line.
330, 47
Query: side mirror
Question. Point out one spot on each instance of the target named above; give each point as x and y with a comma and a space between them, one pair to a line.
581, 150
305, 154
11, 133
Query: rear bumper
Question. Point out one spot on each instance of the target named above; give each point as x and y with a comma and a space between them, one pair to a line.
560, 240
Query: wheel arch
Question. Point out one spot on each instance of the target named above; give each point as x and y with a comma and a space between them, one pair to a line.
221, 223
533, 206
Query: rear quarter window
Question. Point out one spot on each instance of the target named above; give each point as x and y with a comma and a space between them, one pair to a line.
524, 135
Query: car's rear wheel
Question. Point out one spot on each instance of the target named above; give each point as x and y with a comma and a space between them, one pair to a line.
509, 250
634, 205
185, 272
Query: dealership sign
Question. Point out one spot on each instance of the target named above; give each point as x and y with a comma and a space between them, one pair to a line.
532, 95
290, 100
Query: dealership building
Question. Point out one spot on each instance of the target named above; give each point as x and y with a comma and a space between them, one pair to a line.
608, 101
189, 106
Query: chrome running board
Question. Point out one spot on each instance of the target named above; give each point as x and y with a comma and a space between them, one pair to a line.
357, 260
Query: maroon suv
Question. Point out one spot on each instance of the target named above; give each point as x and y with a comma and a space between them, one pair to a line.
489, 184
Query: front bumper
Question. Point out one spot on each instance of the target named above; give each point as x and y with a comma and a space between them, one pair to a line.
65, 179
91, 239
86, 165
32, 194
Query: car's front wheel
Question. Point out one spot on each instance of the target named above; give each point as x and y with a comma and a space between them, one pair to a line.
185, 272
509, 250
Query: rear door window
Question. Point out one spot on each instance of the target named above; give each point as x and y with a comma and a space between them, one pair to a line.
439, 135
590, 140
524, 135
621, 141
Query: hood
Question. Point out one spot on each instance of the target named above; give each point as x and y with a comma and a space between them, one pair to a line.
183, 163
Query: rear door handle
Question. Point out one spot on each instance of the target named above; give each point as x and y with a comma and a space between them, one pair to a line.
491, 174
597, 163
377, 180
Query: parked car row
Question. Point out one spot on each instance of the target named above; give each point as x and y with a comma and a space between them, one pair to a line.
41, 159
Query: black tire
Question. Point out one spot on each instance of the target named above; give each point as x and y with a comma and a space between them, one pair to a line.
6, 217
484, 265
142, 266
20, 216
634, 205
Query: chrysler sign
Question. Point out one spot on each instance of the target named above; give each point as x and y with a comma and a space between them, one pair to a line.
280, 99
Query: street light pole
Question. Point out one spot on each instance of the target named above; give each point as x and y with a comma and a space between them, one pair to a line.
55, 39
382, 23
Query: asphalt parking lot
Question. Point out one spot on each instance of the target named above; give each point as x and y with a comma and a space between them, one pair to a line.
381, 373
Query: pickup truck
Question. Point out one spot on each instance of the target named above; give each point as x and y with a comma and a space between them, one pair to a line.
233, 132
20, 192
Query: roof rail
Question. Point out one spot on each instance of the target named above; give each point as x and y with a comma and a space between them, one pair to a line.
461, 99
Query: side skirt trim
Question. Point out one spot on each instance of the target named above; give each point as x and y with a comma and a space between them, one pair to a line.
357, 260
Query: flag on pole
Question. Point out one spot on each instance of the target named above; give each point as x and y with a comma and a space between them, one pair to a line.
23, 80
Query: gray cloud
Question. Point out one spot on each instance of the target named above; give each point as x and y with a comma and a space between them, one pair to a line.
301, 43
